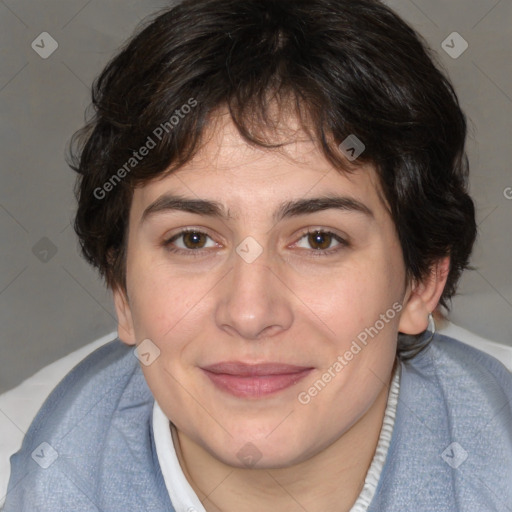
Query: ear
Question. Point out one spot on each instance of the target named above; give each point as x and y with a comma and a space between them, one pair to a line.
422, 298
125, 329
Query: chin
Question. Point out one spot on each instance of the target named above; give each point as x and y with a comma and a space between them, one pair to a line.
263, 452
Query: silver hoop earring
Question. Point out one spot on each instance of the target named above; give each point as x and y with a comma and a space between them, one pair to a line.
431, 327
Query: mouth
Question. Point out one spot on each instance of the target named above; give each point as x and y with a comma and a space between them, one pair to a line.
254, 381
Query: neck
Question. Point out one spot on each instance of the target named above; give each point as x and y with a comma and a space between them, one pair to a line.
329, 481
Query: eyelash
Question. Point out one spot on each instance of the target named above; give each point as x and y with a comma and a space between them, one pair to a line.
200, 252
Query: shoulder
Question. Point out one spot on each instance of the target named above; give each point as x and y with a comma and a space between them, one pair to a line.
470, 389
108, 369
455, 361
462, 376
85, 428
451, 447
92, 389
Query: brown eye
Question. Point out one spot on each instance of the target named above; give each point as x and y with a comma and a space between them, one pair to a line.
194, 240
322, 243
320, 240
189, 240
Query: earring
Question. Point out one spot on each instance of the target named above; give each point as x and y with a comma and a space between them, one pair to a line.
431, 327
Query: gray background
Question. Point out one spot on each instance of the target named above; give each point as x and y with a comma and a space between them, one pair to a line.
52, 302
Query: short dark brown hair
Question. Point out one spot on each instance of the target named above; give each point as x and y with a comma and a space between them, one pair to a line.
346, 67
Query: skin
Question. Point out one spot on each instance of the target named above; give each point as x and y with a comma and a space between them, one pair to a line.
289, 306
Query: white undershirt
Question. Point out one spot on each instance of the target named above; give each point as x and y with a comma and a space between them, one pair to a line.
184, 499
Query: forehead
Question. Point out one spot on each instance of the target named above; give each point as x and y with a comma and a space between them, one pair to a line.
244, 177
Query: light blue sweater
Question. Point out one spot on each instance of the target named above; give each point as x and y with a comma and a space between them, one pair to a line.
91, 446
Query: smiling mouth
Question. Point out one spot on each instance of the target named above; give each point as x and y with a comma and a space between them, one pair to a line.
254, 381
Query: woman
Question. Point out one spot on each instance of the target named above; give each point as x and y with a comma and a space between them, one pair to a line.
276, 193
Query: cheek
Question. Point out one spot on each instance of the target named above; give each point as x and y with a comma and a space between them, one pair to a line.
353, 297
169, 307
157, 299
166, 309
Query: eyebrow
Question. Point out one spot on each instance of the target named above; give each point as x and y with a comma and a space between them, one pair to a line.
167, 202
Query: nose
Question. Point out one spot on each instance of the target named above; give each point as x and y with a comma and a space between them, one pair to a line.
254, 302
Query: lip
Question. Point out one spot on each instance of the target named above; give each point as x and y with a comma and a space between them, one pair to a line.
254, 380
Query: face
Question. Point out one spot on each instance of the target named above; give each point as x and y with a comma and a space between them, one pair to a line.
276, 313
